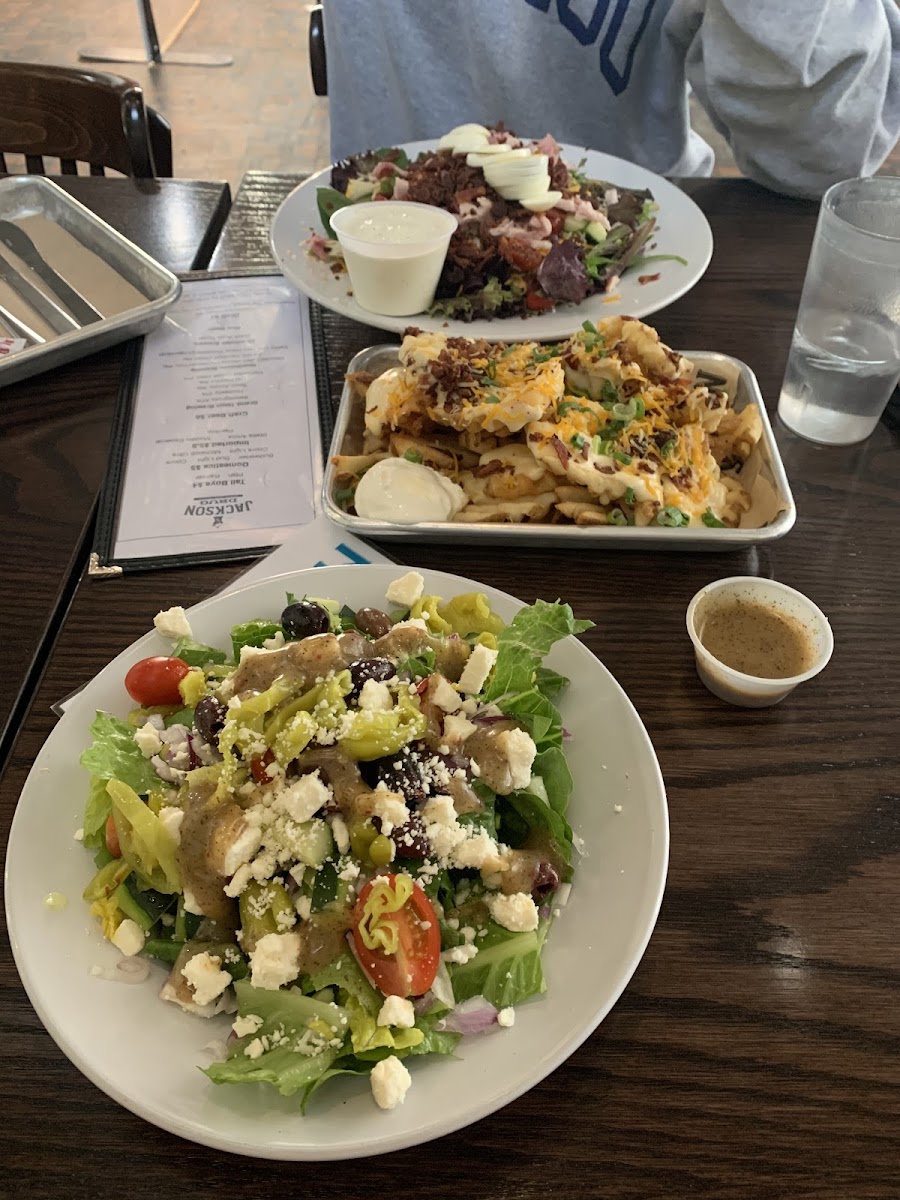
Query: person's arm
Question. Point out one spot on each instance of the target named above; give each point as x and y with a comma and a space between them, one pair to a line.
807, 92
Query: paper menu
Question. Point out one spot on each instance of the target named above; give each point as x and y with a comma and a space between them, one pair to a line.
224, 451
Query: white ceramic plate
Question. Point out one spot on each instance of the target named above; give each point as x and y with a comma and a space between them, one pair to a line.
682, 229
145, 1053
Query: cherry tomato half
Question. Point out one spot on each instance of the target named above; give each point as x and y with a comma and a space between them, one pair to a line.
155, 681
112, 838
411, 971
538, 303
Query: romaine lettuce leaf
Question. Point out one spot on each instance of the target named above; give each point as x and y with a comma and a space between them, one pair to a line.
97, 812
252, 633
283, 1068
346, 974
114, 755
538, 816
553, 769
506, 970
195, 654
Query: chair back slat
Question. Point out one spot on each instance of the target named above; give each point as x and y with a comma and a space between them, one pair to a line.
80, 116
68, 166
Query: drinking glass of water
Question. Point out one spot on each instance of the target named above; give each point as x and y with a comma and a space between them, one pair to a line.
845, 354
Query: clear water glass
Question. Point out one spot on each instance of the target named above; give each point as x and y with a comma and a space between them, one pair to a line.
845, 354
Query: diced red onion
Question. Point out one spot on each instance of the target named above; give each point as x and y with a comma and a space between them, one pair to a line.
423, 1004
472, 1016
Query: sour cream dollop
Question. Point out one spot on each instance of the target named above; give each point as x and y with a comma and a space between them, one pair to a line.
406, 493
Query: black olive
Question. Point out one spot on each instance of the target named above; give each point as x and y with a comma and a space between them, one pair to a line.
304, 619
402, 772
369, 668
209, 717
373, 622
409, 839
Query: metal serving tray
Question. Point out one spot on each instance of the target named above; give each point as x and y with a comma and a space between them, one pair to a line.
130, 289
765, 463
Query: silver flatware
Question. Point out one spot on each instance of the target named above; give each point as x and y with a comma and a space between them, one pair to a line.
59, 321
19, 327
20, 243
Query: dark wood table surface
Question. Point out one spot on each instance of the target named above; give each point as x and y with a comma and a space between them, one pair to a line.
755, 1051
53, 430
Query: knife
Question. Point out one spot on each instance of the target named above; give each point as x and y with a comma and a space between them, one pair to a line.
20, 243
59, 321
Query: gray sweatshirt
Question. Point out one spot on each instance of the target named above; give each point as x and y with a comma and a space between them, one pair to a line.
806, 91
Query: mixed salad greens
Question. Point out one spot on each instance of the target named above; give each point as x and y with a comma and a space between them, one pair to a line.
509, 256
349, 829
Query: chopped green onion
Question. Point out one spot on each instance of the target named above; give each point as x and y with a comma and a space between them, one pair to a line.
413, 456
608, 394
629, 411
629, 495
563, 408
588, 327
710, 519
507, 350
578, 440
672, 517
667, 448
616, 517
600, 445
625, 459
492, 399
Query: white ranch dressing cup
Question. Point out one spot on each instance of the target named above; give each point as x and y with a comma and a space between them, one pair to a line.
395, 252
755, 691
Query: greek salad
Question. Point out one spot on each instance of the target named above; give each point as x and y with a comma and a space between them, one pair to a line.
347, 831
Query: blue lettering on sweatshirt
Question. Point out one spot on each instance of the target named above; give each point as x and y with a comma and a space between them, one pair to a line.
587, 32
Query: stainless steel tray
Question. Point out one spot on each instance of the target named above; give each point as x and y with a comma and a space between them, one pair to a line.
742, 386
129, 288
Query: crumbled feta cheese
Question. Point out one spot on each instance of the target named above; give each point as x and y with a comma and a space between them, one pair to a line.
239, 881
173, 623
190, 903
517, 912
128, 937
171, 818
242, 849
275, 960
439, 810
349, 871
390, 1082
444, 694
249, 1024
375, 696
303, 798
303, 907
506, 1017
457, 729
459, 954
255, 1048
341, 834
274, 643
617, 808
406, 590
78, 835
203, 972
480, 664
147, 740
479, 852
519, 750
412, 623
397, 1011
263, 866
390, 808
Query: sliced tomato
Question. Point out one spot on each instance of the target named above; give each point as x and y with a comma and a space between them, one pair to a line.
538, 303
411, 971
112, 838
258, 766
155, 680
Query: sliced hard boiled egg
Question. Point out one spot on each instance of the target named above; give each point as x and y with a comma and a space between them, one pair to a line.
474, 134
539, 204
477, 158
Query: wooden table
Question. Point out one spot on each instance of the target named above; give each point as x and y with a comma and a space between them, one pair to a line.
754, 1053
53, 431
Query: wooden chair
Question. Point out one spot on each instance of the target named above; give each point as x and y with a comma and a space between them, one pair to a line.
317, 63
80, 116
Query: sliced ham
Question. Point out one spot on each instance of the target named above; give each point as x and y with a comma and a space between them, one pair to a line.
318, 247
386, 168
401, 188
548, 145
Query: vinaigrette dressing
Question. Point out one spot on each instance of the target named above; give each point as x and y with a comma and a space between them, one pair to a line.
757, 639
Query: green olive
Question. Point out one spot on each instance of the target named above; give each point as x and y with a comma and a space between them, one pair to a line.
381, 850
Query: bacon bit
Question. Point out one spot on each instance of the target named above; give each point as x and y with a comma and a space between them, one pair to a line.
537, 437
489, 468
648, 278
645, 467
317, 246
561, 452
604, 470
386, 168
631, 386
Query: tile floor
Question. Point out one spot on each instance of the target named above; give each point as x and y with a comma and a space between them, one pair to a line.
258, 113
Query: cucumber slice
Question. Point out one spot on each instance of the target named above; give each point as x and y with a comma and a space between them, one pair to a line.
596, 231
313, 843
575, 225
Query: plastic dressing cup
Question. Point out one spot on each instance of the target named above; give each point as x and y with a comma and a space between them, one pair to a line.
756, 691
394, 252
